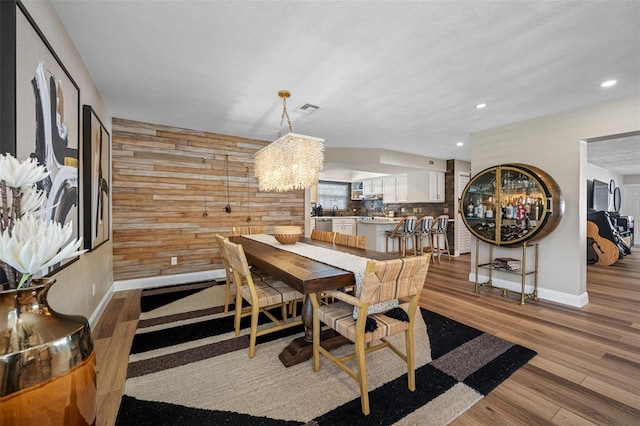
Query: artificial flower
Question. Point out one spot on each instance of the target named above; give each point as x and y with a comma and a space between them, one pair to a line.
17, 174
36, 244
29, 244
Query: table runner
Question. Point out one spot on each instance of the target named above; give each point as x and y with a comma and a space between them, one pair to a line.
347, 261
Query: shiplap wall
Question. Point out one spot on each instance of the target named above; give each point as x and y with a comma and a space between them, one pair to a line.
161, 187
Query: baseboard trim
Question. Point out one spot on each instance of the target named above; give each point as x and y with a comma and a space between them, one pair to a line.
165, 280
577, 301
97, 313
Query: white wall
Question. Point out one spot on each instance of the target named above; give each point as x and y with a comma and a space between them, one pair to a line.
554, 144
73, 291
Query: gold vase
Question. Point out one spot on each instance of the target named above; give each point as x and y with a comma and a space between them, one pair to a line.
47, 362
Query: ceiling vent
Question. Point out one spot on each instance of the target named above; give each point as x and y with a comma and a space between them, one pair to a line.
307, 108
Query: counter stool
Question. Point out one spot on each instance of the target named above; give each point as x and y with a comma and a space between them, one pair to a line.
422, 231
403, 232
438, 231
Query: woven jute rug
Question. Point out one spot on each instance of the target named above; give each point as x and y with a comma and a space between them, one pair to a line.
187, 367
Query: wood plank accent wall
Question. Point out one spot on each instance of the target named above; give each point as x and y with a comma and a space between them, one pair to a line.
162, 187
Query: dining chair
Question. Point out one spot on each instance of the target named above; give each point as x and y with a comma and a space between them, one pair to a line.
358, 241
383, 281
239, 230
438, 235
421, 231
326, 236
341, 239
247, 230
259, 229
261, 295
403, 232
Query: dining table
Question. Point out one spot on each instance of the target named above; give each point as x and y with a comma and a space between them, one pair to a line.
309, 277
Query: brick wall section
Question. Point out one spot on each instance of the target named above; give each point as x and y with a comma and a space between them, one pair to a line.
161, 187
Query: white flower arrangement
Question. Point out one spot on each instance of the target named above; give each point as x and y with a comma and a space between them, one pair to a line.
28, 243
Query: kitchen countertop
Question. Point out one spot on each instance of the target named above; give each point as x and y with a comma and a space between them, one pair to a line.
389, 221
363, 219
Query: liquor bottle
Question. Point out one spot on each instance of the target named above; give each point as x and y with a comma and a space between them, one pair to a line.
509, 210
527, 207
520, 210
481, 208
489, 213
470, 208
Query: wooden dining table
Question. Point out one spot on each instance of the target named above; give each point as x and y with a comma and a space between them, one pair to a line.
309, 277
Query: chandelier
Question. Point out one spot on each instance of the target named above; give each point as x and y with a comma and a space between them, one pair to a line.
292, 161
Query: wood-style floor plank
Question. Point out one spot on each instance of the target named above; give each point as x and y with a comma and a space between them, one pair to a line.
587, 370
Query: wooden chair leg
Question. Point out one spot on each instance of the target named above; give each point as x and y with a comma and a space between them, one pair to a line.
362, 376
411, 362
227, 295
255, 310
238, 315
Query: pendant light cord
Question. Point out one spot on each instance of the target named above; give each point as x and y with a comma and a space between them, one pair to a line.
228, 206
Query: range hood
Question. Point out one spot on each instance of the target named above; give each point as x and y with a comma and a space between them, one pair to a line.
372, 197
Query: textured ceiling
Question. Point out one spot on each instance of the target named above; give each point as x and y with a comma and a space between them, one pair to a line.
398, 75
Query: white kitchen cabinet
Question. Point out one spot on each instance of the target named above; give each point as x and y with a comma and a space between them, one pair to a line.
436, 187
344, 226
402, 189
389, 189
372, 186
395, 189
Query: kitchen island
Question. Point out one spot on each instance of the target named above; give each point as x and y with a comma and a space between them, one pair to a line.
376, 232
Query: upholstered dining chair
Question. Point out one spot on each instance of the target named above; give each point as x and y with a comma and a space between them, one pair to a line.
439, 239
383, 281
403, 232
326, 236
421, 231
261, 296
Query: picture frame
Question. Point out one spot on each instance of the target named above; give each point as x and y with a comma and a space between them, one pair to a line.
44, 114
96, 157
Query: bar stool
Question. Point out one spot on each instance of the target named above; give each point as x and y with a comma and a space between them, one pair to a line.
438, 231
402, 232
422, 231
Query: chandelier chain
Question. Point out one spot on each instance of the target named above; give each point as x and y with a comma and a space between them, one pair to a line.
285, 113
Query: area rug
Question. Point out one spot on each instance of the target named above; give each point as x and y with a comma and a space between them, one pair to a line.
187, 367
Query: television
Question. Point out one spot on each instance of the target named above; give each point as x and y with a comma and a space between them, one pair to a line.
600, 196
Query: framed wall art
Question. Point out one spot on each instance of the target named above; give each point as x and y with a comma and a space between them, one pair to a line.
46, 114
96, 156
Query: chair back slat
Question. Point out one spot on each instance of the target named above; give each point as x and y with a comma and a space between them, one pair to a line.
409, 224
440, 224
393, 279
326, 236
237, 259
424, 224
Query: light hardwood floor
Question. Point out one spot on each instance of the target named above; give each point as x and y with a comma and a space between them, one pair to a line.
587, 370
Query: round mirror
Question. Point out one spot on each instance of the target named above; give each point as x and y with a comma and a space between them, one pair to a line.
612, 186
616, 199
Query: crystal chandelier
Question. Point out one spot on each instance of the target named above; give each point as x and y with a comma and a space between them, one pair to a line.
292, 161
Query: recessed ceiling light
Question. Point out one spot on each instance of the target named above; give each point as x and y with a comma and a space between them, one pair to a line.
459, 143
480, 106
608, 83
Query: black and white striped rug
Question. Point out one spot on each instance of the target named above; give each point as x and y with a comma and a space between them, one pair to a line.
187, 367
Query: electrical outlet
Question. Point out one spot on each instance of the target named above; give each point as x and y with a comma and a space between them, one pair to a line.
174, 260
